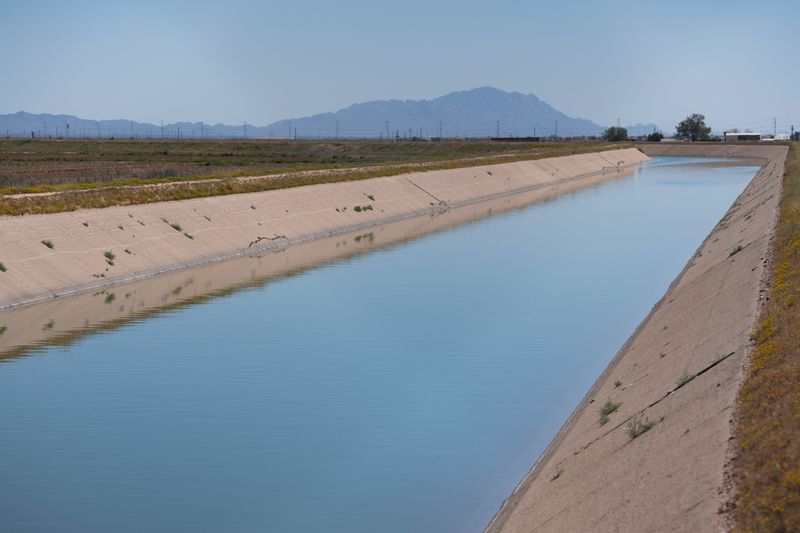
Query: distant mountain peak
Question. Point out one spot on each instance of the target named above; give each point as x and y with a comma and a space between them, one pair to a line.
479, 112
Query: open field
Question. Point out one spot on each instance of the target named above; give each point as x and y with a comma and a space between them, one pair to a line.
94, 174
766, 465
28, 165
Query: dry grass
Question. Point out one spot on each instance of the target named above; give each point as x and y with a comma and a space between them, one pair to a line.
302, 165
767, 462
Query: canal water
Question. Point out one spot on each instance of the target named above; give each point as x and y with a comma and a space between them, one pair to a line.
405, 390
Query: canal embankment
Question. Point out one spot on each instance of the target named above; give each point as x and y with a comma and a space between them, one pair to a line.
51, 255
647, 448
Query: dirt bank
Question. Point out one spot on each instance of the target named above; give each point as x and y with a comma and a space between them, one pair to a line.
56, 254
678, 374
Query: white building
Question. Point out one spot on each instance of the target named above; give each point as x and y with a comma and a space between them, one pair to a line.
734, 136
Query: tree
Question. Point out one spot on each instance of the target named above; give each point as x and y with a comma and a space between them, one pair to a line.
693, 128
615, 133
655, 137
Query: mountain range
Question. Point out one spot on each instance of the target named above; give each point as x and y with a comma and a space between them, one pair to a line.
481, 112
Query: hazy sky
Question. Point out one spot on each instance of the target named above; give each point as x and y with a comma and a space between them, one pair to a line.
738, 62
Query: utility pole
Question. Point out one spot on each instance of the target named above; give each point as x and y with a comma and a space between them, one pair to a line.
791, 136
617, 123
556, 129
387, 130
440, 130
774, 127
337, 129
498, 129
202, 131
162, 129
244, 127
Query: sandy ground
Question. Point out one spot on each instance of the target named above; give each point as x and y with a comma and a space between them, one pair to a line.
57, 254
594, 477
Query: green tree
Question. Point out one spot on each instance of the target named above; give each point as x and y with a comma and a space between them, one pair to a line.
655, 137
693, 128
615, 133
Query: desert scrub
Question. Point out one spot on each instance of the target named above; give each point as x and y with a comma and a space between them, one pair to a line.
48, 243
109, 257
766, 465
638, 425
607, 410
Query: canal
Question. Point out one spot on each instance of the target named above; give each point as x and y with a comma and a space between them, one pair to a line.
402, 390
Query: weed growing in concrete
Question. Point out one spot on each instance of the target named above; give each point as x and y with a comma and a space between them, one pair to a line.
110, 297
684, 379
49, 325
608, 408
109, 257
637, 426
86, 224
371, 197
176, 227
48, 243
128, 251
186, 234
617, 384
357, 209
736, 250
2, 267
3, 329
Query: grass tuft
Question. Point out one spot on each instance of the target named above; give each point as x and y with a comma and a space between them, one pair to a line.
607, 410
684, 379
638, 426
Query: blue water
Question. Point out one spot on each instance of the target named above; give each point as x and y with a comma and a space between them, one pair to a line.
405, 390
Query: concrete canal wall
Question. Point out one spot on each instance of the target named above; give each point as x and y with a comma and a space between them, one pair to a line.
678, 372
57, 254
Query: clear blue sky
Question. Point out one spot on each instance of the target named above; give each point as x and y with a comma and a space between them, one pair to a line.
738, 62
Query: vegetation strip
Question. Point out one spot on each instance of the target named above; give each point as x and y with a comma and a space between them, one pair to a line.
766, 465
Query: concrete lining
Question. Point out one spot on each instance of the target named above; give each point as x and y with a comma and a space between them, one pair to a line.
152, 239
594, 477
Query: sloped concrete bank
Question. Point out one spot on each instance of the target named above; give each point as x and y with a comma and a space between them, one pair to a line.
678, 374
46, 256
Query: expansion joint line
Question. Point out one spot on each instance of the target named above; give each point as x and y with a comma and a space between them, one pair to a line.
440, 202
